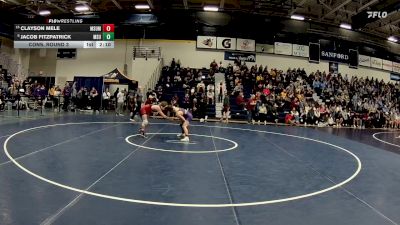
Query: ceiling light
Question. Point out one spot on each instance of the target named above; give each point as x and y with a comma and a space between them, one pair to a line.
297, 17
44, 12
211, 8
345, 26
393, 39
82, 8
142, 6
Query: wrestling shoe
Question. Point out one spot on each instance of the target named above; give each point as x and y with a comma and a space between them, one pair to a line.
185, 139
142, 133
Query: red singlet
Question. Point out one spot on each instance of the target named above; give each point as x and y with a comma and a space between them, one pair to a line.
146, 109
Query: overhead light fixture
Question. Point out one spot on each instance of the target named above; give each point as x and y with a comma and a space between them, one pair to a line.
393, 39
142, 6
211, 8
82, 8
44, 12
345, 26
297, 17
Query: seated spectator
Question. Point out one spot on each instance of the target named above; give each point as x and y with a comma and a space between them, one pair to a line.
238, 88
175, 100
240, 101
211, 87
186, 101
221, 67
201, 87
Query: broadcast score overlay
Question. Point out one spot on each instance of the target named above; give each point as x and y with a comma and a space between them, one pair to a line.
64, 36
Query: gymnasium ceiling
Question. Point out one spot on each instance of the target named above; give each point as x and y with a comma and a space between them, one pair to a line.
322, 12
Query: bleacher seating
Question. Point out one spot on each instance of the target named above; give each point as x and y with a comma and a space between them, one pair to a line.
169, 92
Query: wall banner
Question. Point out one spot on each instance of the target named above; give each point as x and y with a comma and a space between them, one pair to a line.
283, 48
226, 43
333, 67
300, 50
245, 45
376, 63
241, 56
364, 60
265, 48
209, 42
396, 67
387, 65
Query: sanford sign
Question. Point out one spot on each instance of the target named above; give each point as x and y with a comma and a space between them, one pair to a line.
335, 56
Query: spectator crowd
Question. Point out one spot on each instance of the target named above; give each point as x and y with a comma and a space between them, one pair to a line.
319, 98
263, 94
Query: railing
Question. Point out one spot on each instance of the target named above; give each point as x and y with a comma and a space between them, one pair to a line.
154, 77
146, 52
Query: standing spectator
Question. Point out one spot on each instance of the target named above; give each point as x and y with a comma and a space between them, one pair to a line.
132, 106
210, 97
149, 93
202, 108
2, 102
262, 114
106, 99
74, 94
139, 100
115, 97
79, 97
173, 63
57, 94
120, 103
85, 98
240, 101
251, 109
214, 65
52, 94
221, 91
94, 95
67, 96
225, 108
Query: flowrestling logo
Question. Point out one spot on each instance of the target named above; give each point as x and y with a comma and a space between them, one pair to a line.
377, 14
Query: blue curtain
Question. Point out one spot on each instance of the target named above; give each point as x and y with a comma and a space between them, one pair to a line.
89, 82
